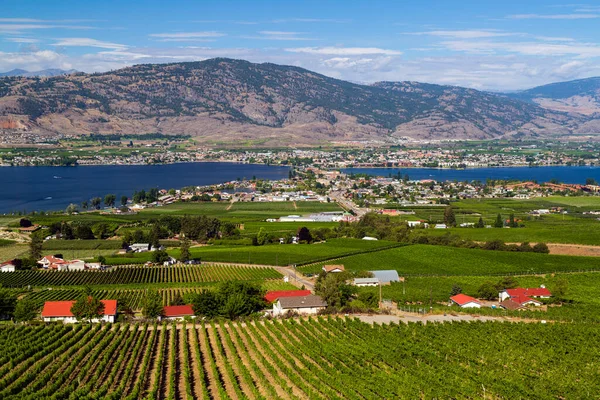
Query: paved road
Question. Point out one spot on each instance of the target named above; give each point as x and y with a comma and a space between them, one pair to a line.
296, 278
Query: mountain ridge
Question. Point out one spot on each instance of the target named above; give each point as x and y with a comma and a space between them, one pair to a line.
224, 101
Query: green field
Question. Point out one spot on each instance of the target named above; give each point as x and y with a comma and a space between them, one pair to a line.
441, 260
274, 254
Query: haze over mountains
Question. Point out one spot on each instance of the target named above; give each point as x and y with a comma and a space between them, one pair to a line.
41, 73
226, 101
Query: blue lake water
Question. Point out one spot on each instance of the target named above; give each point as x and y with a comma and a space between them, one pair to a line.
540, 174
54, 188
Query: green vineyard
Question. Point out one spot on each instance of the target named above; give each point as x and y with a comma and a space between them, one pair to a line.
187, 274
300, 359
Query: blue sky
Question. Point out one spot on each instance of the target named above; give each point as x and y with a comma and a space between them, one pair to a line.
493, 45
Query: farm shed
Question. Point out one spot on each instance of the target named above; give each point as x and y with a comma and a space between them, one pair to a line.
385, 276
465, 301
310, 304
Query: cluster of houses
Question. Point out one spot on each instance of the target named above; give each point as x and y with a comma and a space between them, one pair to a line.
508, 299
59, 264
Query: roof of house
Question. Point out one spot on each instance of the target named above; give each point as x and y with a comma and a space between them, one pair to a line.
302, 302
274, 295
510, 304
329, 268
63, 308
9, 262
462, 299
363, 281
530, 292
178, 311
386, 275
53, 260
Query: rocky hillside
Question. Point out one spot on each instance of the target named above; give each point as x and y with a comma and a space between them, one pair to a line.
231, 101
580, 96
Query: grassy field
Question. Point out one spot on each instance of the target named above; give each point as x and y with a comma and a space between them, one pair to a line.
273, 254
12, 251
441, 260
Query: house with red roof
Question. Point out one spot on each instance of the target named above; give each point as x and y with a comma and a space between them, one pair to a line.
61, 311
177, 313
51, 262
464, 301
518, 298
272, 296
8, 266
333, 268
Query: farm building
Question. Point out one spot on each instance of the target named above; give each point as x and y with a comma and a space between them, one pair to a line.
541, 293
361, 282
51, 262
61, 311
464, 301
386, 276
277, 294
8, 266
518, 303
73, 265
139, 247
177, 313
310, 304
333, 268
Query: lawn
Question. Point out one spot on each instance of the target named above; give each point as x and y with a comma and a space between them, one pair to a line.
441, 260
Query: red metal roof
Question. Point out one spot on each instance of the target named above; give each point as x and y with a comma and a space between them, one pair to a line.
462, 299
274, 295
178, 311
63, 308
529, 292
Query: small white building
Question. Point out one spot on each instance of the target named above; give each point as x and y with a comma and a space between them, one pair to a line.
305, 305
369, 238
140, 247
464, 301
73, 265
8, 266
362, 282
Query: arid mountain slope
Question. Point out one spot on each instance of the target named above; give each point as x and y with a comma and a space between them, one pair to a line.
234, 101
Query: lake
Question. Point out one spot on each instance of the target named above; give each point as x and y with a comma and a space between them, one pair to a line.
54, 188
540, 174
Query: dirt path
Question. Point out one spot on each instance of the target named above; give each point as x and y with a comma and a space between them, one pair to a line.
213, 385
574, 249
296, 278
413, 317
230, 205
295, 206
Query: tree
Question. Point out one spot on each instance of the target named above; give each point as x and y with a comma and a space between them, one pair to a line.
84, 232
87, 308
152, 304
455, 290
487, 291
35, 246
304, 235
71, 208
102, 260
185, 254
560, 288
25, 310
160, 256
84, 205
154, 237
101, 230
262, 237
109, 200
25, 223
8, 301
333, 289
591, 181
95, 202
177, 300
511, 221
206, 304
541, 248
480, 223
449, 217
124, 200
499, 222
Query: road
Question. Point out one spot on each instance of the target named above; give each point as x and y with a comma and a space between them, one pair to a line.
348, 204
296, 278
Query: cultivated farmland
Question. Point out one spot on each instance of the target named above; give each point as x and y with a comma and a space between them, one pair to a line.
300, 359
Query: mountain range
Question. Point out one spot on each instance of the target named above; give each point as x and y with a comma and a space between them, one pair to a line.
233, 102
41, 73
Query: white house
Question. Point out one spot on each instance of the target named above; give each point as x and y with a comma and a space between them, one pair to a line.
464, 301
440, 226
51, 262
333, 268
73, 265
61, 311
140, 247
8, 266
305, 305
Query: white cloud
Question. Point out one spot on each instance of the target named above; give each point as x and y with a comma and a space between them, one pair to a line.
21, 40
88, 42
279, 35
312, 20
343, 51
465, 34
554, 16
16, 28
187, 36
583, 50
